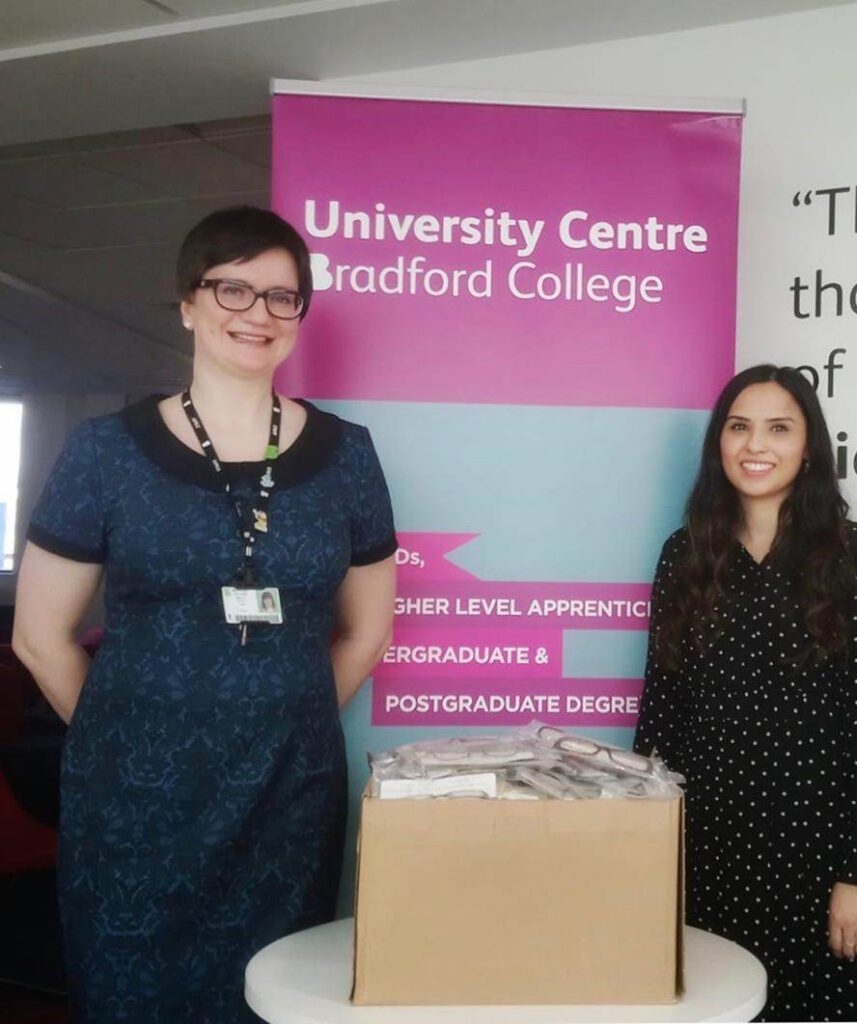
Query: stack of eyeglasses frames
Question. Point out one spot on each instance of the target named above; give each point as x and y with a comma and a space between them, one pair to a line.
534, 763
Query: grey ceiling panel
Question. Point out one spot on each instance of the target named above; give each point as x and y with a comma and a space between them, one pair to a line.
205, 8
58, 182
26, 22
100, 227
194, 76
184, 169
253, 147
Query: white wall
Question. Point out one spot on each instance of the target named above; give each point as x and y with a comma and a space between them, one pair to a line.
798, 74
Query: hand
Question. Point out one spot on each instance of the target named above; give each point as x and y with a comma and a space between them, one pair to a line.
364, 624
842, 921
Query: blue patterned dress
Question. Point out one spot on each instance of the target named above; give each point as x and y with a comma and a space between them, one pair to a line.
203, 784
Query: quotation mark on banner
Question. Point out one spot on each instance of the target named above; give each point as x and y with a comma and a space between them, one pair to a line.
322, 279
836, 210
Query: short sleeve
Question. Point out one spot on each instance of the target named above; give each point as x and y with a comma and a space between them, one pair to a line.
69, 517
373, 537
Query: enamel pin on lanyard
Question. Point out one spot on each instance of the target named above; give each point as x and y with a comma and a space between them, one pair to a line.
245, 601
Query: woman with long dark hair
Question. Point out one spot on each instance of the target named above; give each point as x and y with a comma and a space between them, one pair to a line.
751, 692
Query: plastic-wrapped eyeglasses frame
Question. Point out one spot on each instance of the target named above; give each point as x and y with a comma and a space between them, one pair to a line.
623, 759
238, 297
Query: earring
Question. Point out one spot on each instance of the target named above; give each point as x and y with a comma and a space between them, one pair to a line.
187, 325
805, 466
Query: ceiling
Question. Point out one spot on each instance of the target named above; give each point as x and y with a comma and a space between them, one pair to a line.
122, 122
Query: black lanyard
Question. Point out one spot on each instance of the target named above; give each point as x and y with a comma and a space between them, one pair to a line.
247, 530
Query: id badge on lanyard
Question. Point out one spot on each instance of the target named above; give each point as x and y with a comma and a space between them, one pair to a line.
243, 604
245, 601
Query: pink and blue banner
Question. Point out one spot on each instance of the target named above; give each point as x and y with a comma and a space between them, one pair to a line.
532, 307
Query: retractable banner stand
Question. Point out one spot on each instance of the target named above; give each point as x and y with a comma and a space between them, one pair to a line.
532, 307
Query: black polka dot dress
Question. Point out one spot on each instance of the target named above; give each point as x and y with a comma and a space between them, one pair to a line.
769, 750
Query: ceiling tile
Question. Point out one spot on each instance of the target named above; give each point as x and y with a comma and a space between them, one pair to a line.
65, 181
190, 168
254, 147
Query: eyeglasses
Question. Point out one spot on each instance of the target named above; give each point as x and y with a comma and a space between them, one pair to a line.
596, 753
238, 297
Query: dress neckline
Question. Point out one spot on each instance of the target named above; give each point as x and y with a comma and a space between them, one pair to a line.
310, 451
746, 551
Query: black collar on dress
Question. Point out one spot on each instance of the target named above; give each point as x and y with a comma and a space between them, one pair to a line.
309, 453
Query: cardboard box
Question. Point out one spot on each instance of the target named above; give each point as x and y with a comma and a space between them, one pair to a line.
468, 901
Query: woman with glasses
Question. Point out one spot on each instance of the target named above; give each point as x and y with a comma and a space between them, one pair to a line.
751, 692
204, 773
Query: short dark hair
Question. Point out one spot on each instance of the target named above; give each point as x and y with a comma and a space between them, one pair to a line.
237, 234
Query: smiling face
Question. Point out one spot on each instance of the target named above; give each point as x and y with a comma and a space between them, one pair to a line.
250, 343
763, 443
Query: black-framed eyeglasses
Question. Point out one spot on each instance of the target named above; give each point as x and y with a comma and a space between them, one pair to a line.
238, 297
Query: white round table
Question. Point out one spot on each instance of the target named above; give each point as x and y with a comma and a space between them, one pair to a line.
306, 978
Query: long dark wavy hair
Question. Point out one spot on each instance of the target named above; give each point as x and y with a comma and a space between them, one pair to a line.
811, 544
